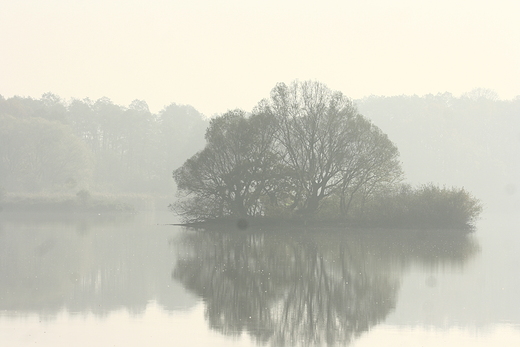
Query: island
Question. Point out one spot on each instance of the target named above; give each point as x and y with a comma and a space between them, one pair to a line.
307, 155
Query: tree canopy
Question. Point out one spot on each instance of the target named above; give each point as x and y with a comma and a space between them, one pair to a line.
231, 173
39, 153
303, 146
52, 145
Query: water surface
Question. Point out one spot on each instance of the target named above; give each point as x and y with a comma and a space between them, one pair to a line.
133, 281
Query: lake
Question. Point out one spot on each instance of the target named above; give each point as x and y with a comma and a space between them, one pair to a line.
99, 280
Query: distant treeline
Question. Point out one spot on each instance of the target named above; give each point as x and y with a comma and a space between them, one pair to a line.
470, 141
48, 145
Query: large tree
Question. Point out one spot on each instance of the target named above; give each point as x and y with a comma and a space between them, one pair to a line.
328, 146
229, 175
303, 145
371, 165
313, 137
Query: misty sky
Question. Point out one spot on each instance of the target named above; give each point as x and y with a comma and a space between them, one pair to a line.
219, 55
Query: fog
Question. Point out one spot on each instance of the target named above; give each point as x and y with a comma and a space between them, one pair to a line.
472, 141
112, 113
52, 148
102, 80
85, 234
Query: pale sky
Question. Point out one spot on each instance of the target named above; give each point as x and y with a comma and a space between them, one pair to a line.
219, 55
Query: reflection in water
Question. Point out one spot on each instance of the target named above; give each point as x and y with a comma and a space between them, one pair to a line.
280, 287
85, 264
305, 287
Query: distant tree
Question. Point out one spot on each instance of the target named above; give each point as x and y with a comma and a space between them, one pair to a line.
139, 135
83, 120
131, 148
126, 143
458, 141
181, 130
37, 154
50, 107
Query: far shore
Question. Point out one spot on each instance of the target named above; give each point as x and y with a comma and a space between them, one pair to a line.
81, 202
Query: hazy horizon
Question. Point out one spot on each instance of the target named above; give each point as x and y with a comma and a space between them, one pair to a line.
158, 109
379, 252
227, 55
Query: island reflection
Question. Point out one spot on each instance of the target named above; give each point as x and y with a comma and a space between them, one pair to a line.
306, 287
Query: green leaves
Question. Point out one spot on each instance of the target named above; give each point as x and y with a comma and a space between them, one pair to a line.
233, 170
303, 145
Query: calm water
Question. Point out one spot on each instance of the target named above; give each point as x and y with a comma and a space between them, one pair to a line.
104, 281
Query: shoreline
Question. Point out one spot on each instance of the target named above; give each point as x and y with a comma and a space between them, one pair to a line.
243, 224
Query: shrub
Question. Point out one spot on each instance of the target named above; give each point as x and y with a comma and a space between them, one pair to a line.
425, 206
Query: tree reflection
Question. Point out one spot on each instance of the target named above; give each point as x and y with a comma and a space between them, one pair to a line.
48, 264
302, 287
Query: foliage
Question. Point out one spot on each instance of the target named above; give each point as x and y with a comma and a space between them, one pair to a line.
49, 145
471, 141
324, 158
306, 152
38, 153
301, 147
425, 206
230, 174
317, 133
